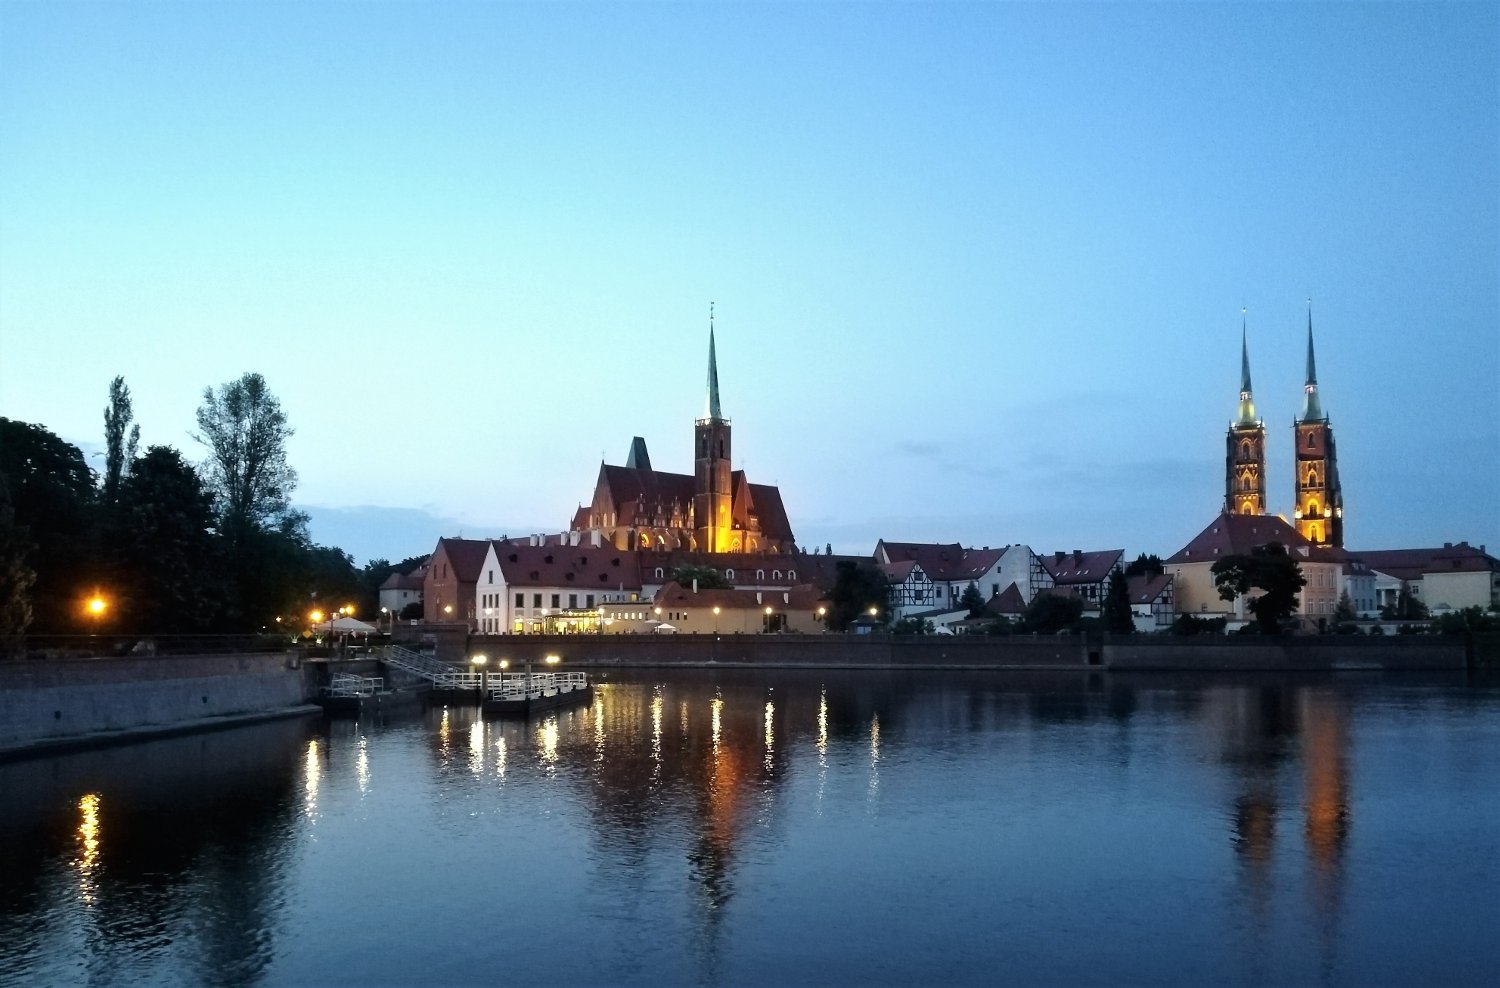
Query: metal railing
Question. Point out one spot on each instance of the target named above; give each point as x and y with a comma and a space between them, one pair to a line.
423, 665
519, 686
350, 685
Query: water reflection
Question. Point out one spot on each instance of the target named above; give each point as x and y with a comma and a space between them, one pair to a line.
1001, 808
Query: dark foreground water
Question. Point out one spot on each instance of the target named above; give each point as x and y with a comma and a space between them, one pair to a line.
786, 828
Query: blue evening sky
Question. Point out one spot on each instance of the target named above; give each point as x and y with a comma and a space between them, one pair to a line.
978, 269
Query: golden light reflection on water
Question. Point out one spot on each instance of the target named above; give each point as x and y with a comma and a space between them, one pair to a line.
476, 746
445, 736
312, 773
657, 707
362, 764
500, 757
599, 728
88, 846
717, 706
546, 738
823, 725
874, 753
770, 733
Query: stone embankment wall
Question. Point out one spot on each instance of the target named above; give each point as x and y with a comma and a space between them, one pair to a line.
46, 701
1287, 655
944, 652
825, 651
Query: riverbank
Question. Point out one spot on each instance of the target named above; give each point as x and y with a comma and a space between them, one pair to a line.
63, 704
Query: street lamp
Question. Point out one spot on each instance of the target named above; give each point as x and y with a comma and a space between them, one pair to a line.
768, 618
479, 660
716, 619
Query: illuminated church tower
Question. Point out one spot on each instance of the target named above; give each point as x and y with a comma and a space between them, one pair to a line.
1245, 462
713, 496
1319, 516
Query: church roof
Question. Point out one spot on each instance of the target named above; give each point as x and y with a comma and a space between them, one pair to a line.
627, 486
1230, 535
770, 510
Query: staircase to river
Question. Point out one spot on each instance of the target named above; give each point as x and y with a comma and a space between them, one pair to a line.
439, 674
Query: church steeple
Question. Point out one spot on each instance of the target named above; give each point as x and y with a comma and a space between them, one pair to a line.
1247, 415
1245, 454
1319, 514
713, 520
1312, 409
711, 410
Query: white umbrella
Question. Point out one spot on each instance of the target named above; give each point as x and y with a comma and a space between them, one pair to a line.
669, 629
347, 626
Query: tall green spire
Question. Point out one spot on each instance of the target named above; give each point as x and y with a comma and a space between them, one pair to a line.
711, 409
1247, 399
1312, 409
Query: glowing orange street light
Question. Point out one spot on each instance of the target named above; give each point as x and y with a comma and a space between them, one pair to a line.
96, 606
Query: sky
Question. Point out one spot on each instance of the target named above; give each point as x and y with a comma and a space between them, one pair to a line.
978, 270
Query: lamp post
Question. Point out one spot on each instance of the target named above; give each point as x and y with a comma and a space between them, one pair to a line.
716, 619
822, 616
479, 660
768, 619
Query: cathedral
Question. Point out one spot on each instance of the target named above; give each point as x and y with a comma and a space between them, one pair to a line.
1318, 515
713, 510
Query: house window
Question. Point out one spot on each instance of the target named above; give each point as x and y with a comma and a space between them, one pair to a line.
492, 576
588, 601
729, 574
760, 575
520, 600
659, 573
572, 602
536, 600
556, 601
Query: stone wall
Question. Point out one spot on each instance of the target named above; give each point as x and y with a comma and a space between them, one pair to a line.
43, 701
1289, 654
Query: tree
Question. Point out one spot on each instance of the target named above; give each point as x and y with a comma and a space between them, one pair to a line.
1408, 607
913, 626
120, 438
708, 578
1149, 566
53, 497
1118, 619
245, 431
16, 577
857, 588
972, 599
1267, 568
170, 575
1049, 613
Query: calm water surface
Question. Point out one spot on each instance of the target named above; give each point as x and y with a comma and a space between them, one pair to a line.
786, 828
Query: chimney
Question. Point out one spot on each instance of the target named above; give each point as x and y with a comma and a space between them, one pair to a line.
596, 539
1077, 555
1447, 545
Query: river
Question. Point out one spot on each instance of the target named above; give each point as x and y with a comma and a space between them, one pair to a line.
785, 828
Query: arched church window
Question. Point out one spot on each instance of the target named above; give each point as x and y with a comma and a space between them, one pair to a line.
645, 541
1310, 440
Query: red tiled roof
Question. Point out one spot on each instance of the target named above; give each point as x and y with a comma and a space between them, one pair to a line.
898, 572
942, 562
465, 557
584, 567
1413, 564
1007, 602
1081, 567
1145, 589
801, 597
405, 581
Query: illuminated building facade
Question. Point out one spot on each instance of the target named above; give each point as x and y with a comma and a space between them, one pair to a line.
714, 510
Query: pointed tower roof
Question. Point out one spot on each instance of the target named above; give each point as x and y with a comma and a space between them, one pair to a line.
1247, 397
711, 407
1312, 409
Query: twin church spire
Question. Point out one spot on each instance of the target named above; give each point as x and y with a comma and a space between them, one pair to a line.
1319, 511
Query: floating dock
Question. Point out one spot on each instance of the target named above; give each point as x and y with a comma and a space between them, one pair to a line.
520, 694
352, 696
